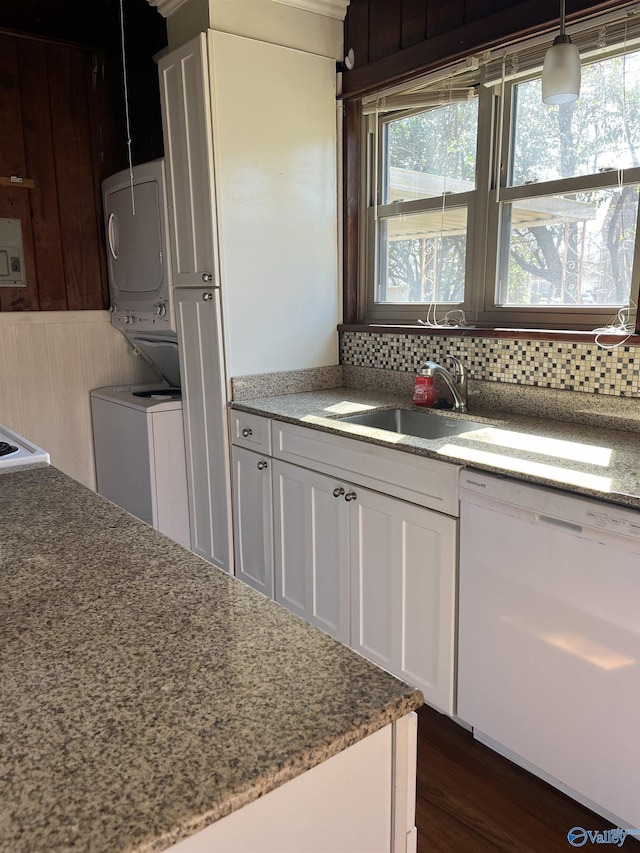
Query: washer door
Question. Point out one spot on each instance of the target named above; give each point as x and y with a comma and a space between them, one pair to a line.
162, 355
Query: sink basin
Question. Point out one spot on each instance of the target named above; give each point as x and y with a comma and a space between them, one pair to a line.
410, 422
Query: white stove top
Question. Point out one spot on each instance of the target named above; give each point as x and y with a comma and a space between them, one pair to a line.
17, 451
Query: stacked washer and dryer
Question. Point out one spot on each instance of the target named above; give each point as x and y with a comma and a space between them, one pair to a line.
138, 433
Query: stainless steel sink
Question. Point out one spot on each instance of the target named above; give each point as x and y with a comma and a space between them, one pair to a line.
410, 422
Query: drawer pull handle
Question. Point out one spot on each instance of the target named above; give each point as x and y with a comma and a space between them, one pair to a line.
338, 492
207, 277
246, 432
262, 465
350, 496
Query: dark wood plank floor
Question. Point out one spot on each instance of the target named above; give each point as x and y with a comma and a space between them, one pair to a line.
471, 800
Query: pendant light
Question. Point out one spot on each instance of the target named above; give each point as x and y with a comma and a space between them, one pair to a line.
561, 69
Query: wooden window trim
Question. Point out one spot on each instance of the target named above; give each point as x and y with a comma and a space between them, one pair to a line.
507, 334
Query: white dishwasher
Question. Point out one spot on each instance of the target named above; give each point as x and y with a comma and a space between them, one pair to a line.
549, 637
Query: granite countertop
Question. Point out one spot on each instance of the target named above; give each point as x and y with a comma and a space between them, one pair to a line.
581, 458
145, 694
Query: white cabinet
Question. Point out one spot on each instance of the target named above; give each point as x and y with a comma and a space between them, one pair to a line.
251, 185
253, 519
403, 570
204, 411
311, 523
251, 431
275, 151
361, 800
376, 572
186, 116
269, 140
416, 479
187, 131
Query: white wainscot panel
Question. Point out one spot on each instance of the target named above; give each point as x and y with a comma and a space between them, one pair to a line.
50, 362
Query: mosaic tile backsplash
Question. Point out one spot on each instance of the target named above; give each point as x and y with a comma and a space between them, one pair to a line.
546, 364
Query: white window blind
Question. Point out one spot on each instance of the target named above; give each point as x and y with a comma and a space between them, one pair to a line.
454, 83
419, 101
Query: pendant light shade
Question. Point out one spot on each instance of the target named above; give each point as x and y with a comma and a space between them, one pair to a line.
561, 70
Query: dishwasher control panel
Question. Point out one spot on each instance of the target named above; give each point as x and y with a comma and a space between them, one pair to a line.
603, 519
553, 505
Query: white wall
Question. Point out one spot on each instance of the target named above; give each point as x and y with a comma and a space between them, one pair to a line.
50, 361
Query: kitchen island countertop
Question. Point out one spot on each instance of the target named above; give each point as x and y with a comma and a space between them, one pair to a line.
146, 694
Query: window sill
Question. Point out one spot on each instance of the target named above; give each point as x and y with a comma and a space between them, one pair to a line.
474, 332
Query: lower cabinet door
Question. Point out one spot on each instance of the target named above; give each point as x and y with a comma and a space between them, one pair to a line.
375, 572
253, 519
204, 413
311, 547
403, 560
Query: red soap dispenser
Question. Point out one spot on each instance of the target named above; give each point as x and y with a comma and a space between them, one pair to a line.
424, 394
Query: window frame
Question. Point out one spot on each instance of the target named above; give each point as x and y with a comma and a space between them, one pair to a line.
403, 312
494, 154
491, 313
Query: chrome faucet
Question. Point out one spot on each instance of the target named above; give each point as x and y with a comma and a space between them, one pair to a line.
455, 380
460, 377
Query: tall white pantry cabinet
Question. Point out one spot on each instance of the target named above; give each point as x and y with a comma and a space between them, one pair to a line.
251, 155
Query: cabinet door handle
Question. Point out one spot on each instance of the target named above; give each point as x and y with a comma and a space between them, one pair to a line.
246, 432
207, 277
262, 465
338, 492
350, 496
207, 296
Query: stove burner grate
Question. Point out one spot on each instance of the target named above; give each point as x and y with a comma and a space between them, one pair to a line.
6, 448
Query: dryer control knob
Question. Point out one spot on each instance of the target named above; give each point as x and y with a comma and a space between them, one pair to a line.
161, 310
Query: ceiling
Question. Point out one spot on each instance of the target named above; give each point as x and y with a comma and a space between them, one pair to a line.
90, 22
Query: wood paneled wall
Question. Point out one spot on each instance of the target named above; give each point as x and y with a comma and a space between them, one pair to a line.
397, 39
61, 125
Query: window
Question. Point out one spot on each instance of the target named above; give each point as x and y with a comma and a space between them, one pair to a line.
481, 198
428, 169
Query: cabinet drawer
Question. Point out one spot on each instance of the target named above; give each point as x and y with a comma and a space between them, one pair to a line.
251, 431
417, 479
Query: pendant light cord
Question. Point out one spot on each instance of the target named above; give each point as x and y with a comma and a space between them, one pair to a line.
126, 106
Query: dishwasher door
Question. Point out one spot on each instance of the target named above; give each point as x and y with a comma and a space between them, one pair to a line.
549, 637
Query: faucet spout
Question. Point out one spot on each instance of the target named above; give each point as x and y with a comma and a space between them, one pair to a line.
458, 387
460, 377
